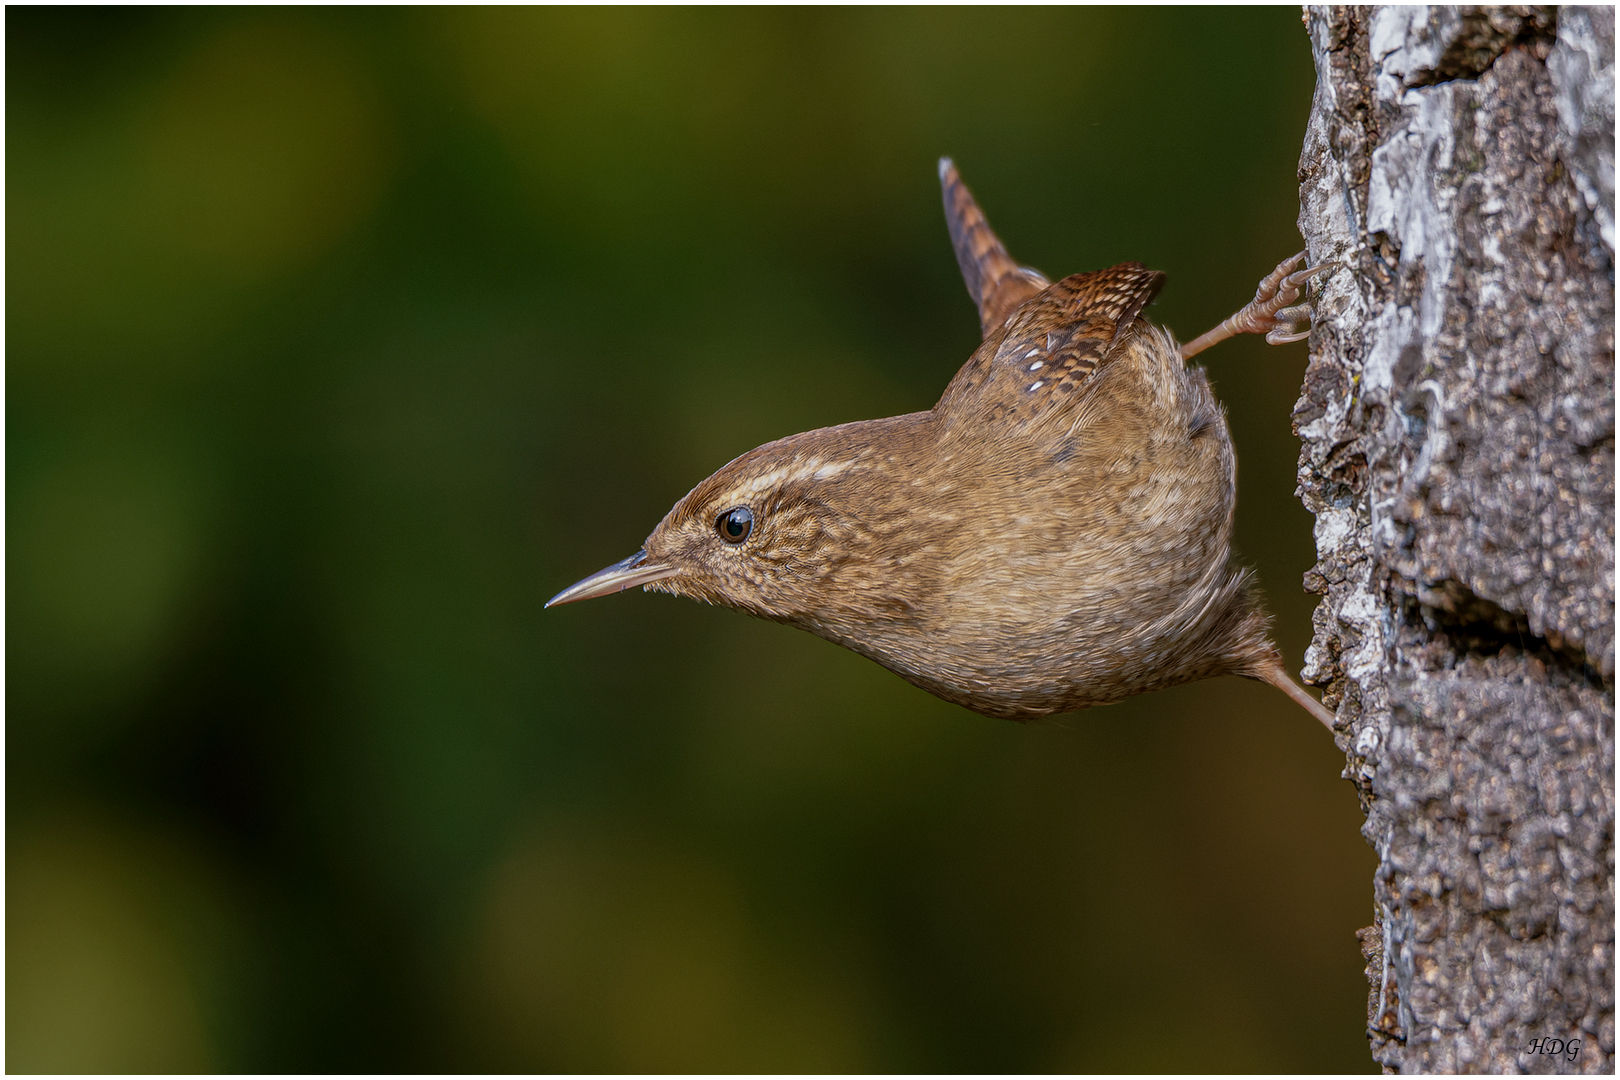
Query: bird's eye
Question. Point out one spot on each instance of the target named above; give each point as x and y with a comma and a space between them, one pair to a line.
735, 524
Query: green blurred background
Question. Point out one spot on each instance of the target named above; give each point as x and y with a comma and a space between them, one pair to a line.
338, 340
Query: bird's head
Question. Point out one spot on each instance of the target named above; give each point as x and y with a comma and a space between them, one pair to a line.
780, 532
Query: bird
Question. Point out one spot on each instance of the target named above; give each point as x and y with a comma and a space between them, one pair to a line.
1054, 534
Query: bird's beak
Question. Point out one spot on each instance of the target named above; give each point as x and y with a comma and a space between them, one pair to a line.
620, 576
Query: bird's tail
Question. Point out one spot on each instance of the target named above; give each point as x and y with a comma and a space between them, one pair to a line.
997, 284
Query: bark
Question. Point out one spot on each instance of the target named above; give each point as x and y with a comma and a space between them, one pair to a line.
1458, 429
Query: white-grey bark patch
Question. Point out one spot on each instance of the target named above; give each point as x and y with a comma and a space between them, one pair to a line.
1582, 69
1457, 423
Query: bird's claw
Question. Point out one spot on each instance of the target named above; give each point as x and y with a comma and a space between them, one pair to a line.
1285, 326
1274, 311
1277, 337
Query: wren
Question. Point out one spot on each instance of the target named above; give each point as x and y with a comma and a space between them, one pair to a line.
1054, 534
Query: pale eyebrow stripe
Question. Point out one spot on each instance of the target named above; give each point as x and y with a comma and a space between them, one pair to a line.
814, 469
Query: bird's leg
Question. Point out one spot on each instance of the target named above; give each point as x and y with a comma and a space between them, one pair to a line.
1270, 312
1274, 674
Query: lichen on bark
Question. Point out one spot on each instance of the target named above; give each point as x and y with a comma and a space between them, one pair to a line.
1457, 423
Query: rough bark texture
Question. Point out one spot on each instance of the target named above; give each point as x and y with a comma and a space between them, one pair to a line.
1458, 429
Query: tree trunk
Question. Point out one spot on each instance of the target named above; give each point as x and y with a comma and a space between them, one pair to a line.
1458, 430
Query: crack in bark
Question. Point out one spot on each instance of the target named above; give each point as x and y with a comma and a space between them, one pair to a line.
1482, 35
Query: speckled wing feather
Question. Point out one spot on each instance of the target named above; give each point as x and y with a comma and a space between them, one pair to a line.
996, 283
1052, 345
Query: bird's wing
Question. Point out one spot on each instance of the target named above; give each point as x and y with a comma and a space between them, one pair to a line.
996, 283
1051, 346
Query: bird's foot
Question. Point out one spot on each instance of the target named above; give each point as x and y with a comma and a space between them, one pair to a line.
1274, 311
